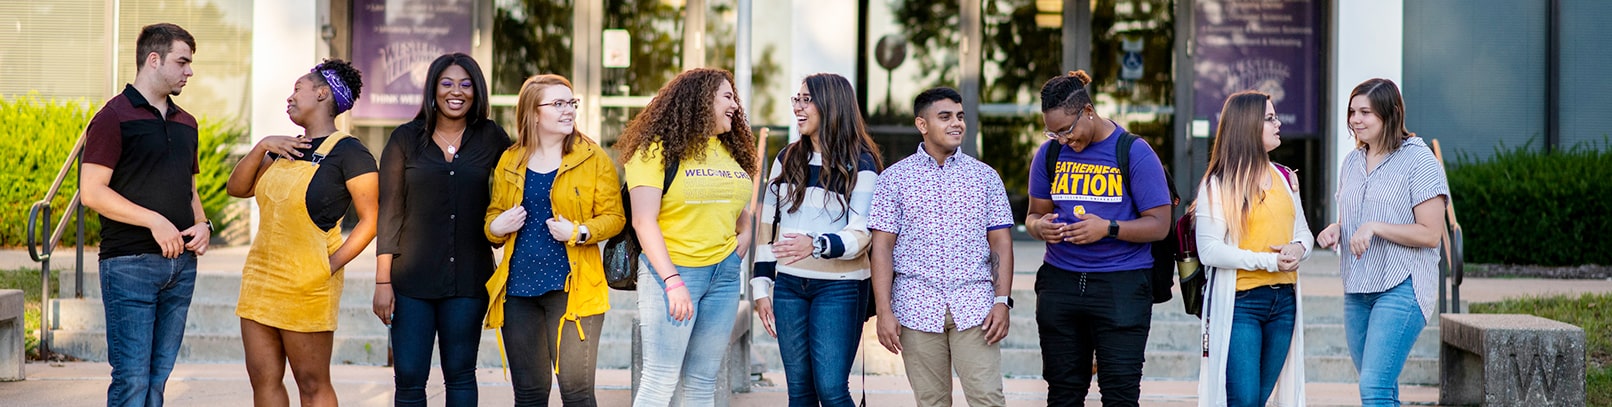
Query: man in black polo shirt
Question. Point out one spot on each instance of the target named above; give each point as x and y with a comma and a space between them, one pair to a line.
139, 175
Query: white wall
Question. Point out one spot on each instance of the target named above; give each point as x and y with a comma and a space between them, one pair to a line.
823, 40
1370, 44
285, 41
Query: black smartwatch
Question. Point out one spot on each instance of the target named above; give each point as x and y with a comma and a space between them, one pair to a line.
1113, 228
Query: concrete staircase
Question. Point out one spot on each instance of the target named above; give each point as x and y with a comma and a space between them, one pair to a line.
212, 335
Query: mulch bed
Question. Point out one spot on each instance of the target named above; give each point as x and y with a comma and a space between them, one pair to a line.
1588, 271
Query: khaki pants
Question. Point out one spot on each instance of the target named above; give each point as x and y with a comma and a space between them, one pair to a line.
930, 357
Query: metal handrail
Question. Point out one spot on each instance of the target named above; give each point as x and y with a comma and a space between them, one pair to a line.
42, 241
1452, 264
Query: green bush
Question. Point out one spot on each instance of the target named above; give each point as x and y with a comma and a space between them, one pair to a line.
40, 133
1525, 206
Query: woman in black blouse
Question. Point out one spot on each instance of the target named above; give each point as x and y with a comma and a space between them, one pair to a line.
433, 260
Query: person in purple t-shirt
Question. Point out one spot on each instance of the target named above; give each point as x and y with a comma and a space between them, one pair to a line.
1097, 226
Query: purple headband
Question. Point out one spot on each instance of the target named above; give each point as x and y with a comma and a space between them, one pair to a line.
344, 96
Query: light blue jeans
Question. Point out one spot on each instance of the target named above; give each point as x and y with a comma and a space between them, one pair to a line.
147, 299
686, 352
1381, 328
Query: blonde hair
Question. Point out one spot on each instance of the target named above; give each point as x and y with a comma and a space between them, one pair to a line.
1238, 158
526, 106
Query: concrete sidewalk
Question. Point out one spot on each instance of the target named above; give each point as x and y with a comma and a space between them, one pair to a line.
206, 385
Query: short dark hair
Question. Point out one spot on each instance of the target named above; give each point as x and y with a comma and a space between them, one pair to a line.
159, 38
1066, 92
931, 96
349, 75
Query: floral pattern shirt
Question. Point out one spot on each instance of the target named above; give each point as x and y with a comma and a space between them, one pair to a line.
940, 215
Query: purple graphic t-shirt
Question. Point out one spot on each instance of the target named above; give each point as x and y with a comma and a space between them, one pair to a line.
1090, 182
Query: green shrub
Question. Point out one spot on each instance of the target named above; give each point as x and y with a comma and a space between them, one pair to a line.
40, 132
1525, 206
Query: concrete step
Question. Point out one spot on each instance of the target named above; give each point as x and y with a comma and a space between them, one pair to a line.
350, 350
213, 334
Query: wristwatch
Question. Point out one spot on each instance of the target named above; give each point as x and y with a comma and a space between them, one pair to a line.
1113, 228
582, 233
1006, 300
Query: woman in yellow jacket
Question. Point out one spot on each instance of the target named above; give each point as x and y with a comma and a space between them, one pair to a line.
551, 281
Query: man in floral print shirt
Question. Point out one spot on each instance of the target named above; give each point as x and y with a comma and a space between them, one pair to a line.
943, 260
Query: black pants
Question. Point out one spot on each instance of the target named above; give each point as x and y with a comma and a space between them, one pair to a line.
531, 331
1082, 314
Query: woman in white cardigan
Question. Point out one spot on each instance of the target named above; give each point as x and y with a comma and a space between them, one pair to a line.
1251, 236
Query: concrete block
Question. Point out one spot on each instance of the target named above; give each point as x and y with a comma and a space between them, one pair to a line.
1509, 359
12, 353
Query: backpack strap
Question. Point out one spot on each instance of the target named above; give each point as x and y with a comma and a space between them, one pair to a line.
1049, 157
1122, 156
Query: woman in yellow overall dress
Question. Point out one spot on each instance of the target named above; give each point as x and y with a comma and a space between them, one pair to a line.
291, 283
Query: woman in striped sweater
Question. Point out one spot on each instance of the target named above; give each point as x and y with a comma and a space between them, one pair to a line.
814, 269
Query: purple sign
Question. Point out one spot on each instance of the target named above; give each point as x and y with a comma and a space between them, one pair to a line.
1265, 45
394, 43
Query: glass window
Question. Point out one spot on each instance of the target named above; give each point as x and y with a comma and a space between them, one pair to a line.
56, 49
530, 37
221, 88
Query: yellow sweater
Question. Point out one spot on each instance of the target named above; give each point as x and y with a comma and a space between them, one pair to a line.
1269, 223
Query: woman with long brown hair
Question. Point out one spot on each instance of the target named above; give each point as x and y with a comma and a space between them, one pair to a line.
1251, 236
693, 234
1391, 197
815, 220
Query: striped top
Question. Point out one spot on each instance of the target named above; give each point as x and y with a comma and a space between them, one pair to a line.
1389, 194
843, 236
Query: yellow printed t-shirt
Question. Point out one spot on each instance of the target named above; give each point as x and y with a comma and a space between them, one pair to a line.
700, 212
1269, 223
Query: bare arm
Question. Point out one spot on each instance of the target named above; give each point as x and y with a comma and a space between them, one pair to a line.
243, 180
97, 194
882, 258
201, 232
364, 190
1426, 232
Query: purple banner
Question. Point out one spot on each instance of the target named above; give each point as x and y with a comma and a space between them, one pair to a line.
394, 43
1266, 45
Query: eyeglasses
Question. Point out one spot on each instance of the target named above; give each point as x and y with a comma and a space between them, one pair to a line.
1272, 119
795, 100
559, 104
1058, 135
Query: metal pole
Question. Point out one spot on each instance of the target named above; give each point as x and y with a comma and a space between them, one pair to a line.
44, 288
78, 210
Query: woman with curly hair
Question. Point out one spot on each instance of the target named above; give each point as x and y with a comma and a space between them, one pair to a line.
291, 283
693, 234
815, 224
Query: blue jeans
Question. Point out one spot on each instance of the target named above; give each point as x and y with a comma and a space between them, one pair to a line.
1261, 331
147, 298
454, 323
1381, 328
690, 350
819, 325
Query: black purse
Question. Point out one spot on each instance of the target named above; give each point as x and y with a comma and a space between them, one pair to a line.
621, 252
1193, 279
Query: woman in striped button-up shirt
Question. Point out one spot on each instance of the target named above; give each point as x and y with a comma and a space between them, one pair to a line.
1391, 199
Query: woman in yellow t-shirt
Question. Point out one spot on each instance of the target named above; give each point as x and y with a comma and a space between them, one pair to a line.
693, 234
1251, 234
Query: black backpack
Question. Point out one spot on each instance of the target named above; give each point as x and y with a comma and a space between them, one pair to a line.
1163, 271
